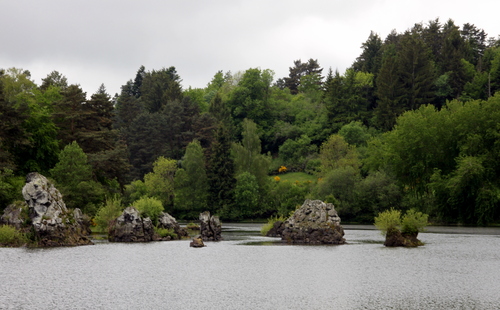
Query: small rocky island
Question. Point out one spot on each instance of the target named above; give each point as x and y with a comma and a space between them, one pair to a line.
315, 222
44, 216
130, 226
210, 227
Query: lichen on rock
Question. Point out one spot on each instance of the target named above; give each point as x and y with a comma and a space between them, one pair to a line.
315, 222
53, 224
210, 227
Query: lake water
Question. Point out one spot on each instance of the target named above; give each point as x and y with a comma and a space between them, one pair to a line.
456, 269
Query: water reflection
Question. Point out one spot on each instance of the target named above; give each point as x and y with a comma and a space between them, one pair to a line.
248, 271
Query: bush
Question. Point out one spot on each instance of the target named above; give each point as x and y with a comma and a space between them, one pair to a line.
9, 236
414, 222
164, 232
193, 226
388, 220
149, 207
108, 213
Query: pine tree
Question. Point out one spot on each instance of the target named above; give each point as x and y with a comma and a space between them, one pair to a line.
416, 71
221, 172
389, 92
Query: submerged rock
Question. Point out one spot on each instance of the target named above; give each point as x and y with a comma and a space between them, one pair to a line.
197, 243
315, 222
167, 221
210, 227
131, 227
52, 223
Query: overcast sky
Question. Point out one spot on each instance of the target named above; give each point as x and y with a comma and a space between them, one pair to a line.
93, 42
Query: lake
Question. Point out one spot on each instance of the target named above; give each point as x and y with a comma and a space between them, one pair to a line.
458, 268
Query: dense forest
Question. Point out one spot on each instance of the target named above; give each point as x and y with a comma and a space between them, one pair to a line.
413, 123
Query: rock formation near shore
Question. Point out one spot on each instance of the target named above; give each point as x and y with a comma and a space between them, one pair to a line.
315, 222
52, 223
395, 238
276, 230
210, 227
167, 221
131, 227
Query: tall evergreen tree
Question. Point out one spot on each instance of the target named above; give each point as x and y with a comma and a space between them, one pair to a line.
299, 70
416, 71
221, 172
371, 56
389, 92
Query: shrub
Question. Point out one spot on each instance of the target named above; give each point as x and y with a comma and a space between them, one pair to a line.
388, 220
414, 222
108, 212
10, 236
149, 207
270, 223
164, 232
193, 226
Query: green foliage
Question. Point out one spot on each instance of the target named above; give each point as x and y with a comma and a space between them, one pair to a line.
355, 133
338, 187
73, 175
414, 222
10, 187
297, 153
149, 207
376, 192
160, 183
165, 232
10, 236
221, 172
388, 220
270, 223
337, 153
191, 182
134, 191
287, 194
246, 195
108, 212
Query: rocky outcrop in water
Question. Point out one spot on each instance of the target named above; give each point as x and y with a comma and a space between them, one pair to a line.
276, 230
395, 238
315, 222
52, 223
210, 227
197, 243
131, 227
167, 221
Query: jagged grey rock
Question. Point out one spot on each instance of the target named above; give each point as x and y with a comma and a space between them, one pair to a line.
12, 215
210, 227
167, 221
315, 222
131, 227
53, 224
276, 230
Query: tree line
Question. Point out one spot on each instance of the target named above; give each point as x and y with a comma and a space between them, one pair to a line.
411, 124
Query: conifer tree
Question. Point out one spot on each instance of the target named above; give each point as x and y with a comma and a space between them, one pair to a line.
416, 71
221, 172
